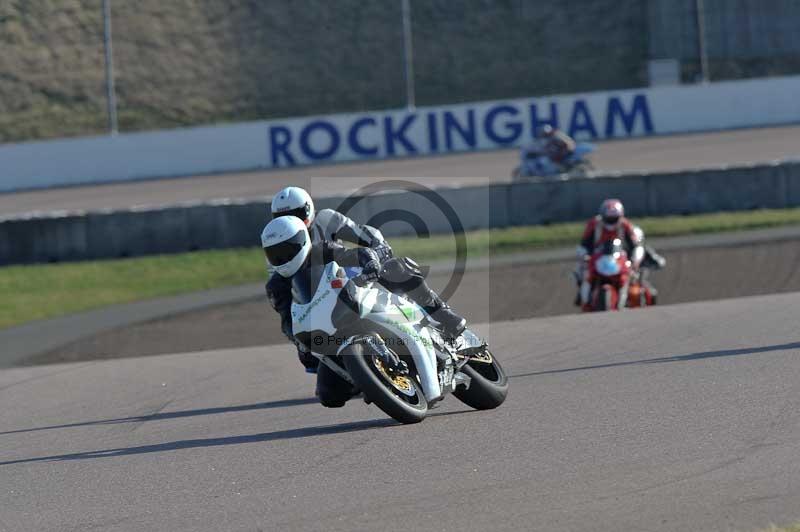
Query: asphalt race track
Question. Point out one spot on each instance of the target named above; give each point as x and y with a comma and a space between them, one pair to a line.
682, 417
647, 154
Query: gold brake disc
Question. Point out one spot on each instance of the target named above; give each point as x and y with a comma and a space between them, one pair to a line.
401, 382
484, 357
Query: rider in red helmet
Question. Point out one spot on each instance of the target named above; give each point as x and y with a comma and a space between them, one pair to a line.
610, 223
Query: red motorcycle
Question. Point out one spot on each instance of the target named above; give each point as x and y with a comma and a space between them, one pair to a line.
612, 277
609, 274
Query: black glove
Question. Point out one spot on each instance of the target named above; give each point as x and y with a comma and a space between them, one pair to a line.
369, 272
384, 251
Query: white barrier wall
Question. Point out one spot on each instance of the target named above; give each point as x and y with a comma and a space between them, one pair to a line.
399, 133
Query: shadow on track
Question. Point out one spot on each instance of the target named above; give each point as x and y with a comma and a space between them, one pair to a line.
676, 358
213, 442
306, 432
172, 415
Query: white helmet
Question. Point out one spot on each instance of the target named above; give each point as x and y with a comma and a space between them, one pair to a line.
286, 244
293, 201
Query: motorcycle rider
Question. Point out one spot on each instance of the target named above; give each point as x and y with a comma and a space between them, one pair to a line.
547, 153
289, 248
650, 262
558, 146
609, 224
400, 274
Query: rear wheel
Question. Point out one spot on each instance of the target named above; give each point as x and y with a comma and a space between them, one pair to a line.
580, 169
400, 396
488, 387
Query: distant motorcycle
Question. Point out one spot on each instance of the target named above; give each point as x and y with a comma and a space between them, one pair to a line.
611, 274
536, 164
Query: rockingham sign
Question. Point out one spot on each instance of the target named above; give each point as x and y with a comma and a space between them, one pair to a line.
430, 131
398, 133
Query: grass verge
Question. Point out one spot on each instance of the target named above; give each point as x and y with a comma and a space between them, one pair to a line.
35, 292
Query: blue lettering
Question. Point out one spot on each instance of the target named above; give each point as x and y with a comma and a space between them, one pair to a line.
639, 107
398, 135
537, 123
467, 132
279, 139
305, 137
352, 137
514, 129
433, 133
581, 120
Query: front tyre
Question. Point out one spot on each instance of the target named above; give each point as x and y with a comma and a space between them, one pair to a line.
400, 396
488, 387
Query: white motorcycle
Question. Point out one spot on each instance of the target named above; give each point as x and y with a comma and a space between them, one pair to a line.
360, 331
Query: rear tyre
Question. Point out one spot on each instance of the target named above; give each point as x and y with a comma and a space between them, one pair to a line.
400, 397
488, 387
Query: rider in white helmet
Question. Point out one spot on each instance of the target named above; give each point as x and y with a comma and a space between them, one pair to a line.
327, 224
289, 250
398, 274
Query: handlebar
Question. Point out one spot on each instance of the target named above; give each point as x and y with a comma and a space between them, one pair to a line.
365, 278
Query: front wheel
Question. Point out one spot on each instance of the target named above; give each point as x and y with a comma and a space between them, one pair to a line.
400, 396
488, 387
605, 298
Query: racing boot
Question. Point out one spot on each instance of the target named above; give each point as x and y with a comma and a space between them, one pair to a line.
309, 361
452, 324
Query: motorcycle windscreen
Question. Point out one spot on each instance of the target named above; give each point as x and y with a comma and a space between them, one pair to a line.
608, 265
315, 313
305, 284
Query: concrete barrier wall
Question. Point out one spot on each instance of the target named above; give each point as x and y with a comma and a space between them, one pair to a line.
398, 133
130, 233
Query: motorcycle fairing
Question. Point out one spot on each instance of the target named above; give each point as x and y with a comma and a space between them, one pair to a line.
393, 312
403, 317
316, 315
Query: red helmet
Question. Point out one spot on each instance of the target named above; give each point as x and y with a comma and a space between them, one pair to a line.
611, 210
